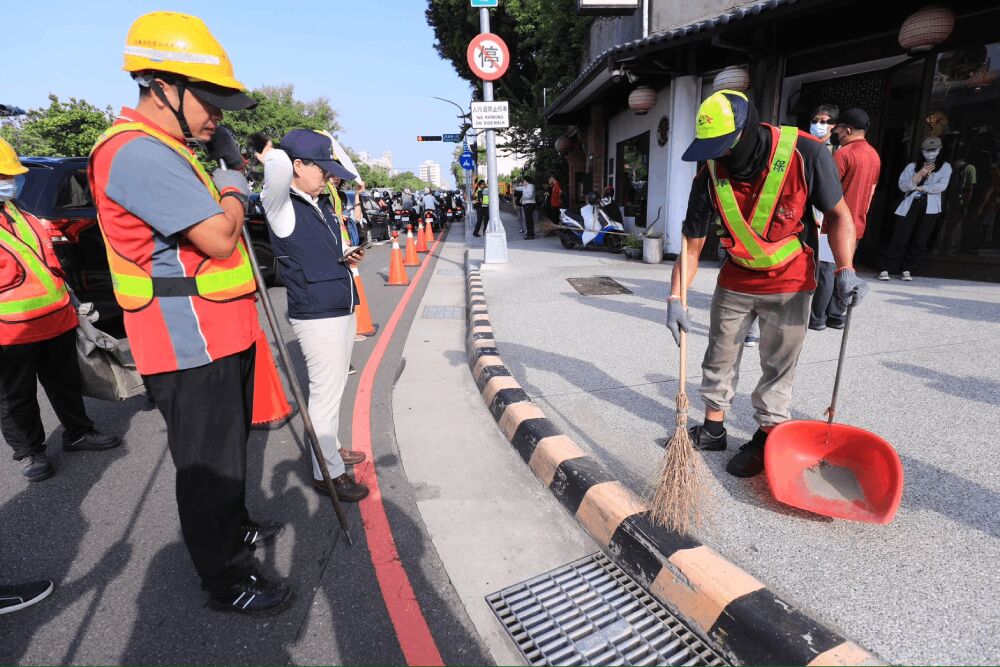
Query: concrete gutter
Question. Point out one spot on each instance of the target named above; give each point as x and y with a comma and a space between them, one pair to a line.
730, 608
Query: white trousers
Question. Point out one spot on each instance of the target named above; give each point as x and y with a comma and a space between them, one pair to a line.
326, 345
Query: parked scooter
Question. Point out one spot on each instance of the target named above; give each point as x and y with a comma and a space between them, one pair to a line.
432, 218
591, 228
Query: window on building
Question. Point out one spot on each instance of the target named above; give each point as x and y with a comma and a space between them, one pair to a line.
632, 179
963, 113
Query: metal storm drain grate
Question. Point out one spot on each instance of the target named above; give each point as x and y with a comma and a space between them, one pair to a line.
598, 286
591, 613
443, 313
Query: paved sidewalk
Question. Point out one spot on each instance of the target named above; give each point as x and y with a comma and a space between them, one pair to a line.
921, 372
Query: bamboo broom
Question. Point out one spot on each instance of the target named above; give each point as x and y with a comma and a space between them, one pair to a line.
681, 487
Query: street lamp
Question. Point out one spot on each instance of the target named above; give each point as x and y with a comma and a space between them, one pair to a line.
466, 118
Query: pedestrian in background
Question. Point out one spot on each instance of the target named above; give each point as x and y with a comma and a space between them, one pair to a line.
182, 276
822, 122
309, 244
527, 190
859, 165
555, 199
917, 214
37, 337
481, 199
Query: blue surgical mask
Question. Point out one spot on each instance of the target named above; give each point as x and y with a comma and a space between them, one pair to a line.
8, 189
819, 130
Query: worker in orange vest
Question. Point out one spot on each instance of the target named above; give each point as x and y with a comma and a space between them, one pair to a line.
37, 337
183, 278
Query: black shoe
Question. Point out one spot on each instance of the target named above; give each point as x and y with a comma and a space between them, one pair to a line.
748, 462
19, 596
252, 595
347, 489
258, 533
36, 467
835, 324
94, 441
818, 327
476, 235
705, 441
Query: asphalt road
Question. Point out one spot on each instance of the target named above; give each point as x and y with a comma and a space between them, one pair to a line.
105, 530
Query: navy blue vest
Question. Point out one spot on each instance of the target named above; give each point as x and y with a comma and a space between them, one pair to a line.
318, 285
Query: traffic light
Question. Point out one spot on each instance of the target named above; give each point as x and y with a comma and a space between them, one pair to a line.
429, 138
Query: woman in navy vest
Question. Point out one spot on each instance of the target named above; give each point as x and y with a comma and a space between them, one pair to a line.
321, 296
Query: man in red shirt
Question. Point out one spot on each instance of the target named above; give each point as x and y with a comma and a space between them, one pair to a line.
760, 181
37, 337
858, 164
555, 199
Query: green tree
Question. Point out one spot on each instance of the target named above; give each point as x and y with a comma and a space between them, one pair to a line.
547, 43
278, 111
62, 129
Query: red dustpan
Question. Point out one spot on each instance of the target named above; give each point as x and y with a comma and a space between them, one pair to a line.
833, 469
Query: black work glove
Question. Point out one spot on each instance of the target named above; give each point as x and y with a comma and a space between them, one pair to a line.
848, 289
224, 147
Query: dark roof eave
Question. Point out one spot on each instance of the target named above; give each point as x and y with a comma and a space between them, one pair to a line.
658, 42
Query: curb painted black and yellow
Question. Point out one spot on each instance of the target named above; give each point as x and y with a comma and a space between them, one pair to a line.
737, 613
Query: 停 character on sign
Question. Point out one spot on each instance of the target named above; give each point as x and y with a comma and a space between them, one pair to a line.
489, 55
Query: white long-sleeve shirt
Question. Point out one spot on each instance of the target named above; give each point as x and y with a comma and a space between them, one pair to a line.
932, 188
276, 196
527, 193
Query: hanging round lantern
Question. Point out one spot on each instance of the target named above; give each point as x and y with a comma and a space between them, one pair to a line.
731, 78
641, 100
926, 28
565, 144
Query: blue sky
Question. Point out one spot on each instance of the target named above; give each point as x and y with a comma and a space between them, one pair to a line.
374, 60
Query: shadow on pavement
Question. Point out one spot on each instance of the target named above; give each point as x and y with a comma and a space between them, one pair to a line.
971, 310
971, 388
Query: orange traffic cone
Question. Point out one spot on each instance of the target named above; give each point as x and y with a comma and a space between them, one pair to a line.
397, 272
365, 327
421, 239
429, 236
411, 258
270, 407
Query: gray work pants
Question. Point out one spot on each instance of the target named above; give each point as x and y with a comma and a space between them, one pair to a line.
825, 307
783, 319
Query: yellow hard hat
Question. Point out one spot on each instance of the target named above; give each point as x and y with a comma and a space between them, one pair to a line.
180, 44
9, 164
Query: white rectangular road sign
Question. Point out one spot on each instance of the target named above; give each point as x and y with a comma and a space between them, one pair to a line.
490, 115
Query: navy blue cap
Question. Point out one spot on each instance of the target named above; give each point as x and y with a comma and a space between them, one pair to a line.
721, 119
315, 147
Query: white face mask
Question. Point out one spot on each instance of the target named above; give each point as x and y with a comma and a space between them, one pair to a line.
8, 189
819, 130
930, 156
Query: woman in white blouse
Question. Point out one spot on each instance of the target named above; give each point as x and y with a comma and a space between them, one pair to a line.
918, 212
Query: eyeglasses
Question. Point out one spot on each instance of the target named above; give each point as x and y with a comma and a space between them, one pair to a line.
326, 174
823, 119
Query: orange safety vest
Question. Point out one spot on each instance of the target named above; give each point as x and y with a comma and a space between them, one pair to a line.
214, 280
41, 292
747, 244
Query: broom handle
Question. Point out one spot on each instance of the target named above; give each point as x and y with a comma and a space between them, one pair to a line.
831, 411
684, 305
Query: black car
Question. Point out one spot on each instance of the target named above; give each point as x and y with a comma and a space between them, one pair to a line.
56, 191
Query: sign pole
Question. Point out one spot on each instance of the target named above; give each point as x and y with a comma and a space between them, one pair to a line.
495, 238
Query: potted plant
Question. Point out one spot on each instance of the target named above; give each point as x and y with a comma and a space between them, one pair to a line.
633, 247
652, 242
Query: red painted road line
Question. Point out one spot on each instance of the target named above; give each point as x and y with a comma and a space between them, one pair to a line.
404, 610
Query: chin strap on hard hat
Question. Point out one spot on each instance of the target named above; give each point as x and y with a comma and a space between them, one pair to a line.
149, 81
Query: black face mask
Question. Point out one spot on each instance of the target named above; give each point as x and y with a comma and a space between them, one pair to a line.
749, 156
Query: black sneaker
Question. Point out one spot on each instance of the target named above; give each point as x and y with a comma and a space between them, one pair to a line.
19, 596
252, 595
94, 441
36, 467
259, 533
705, 441
748, 462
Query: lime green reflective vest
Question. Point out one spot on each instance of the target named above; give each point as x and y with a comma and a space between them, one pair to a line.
750, 247
41, 292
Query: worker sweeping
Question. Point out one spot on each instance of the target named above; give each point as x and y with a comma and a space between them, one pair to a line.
760, 181
183, 278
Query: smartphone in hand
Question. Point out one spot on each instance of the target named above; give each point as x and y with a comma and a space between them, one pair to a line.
355, 251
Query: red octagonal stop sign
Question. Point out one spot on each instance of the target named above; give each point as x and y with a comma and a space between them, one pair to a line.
488, 56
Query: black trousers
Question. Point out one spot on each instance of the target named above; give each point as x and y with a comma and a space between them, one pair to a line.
825, 309
909, 236
529, 220
208, 411
481, 216
53, 363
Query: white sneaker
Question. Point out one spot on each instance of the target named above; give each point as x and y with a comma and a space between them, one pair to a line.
907, 276
884, 275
